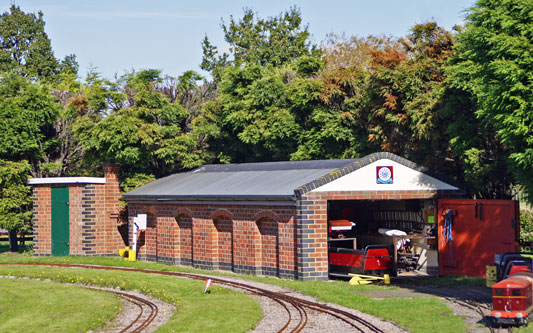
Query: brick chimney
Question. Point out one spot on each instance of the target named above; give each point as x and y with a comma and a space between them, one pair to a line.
113, 240
111, 173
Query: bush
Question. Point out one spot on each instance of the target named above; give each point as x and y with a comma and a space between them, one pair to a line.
526, 230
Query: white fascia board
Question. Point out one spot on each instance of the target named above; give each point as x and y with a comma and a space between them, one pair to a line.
404, 179
66, 180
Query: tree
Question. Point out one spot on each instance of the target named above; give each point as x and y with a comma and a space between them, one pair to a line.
396, 95
26, 49
26, 55
31, 134
341, 52
27, 115
149, 132
390, 92
15, 198
405, 84
332, 130
480, 155
255, 118
256, 41
262, 107
190, 90
494, 63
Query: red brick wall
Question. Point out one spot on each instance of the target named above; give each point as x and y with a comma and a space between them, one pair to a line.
76, 219
215, 236
93, 212
42, 214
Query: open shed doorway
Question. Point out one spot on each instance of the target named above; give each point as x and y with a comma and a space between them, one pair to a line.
382, 236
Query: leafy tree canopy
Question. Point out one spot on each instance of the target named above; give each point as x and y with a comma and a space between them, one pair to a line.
27, 114
257, 41
389, 91
494, 63
149, 134
26, 49
268, 91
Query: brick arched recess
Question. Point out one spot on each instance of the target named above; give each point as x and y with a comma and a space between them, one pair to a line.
223, 222
268, 228
167, 236
147, 239
246, 246
184, 246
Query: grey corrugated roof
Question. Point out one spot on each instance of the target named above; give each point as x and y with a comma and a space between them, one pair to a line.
261, 181
275, 166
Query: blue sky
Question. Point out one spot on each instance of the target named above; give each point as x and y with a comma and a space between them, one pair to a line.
118, 35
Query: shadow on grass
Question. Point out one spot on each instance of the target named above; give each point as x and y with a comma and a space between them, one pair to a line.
4, 249
466, 289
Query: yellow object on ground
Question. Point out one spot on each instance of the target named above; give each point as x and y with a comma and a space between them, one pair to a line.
132, 255
124, 252
358, 279
490, 275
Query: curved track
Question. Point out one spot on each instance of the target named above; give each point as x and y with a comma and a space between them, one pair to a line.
296, 308
140, 322
479, 304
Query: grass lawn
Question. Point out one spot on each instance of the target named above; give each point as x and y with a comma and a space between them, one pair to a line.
222, 310
38, 306
427, 314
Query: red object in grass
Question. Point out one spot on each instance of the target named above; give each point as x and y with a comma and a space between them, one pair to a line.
208, 284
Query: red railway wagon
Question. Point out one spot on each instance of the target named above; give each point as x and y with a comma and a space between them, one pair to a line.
374, 259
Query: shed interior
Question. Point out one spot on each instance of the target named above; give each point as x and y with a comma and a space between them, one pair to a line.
407, 228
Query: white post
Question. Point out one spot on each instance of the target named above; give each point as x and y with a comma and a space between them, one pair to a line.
139, 223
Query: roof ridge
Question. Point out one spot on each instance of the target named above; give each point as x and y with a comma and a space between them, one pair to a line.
364, 161
273, 166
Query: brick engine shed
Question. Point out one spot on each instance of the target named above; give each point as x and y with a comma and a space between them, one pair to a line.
272, 218
275, 218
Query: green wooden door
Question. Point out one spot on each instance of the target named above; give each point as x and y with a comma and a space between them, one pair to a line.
60, 222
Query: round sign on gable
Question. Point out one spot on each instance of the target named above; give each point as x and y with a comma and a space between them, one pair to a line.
384, 175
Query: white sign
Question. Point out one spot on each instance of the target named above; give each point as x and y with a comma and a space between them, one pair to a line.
140, 221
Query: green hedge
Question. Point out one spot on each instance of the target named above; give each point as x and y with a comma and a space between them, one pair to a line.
526, 229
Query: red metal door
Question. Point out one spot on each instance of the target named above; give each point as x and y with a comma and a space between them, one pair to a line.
479, 229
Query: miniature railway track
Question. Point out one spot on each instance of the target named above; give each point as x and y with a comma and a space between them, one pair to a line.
296, 308
137, 325
477, 304
140, 322
481, 304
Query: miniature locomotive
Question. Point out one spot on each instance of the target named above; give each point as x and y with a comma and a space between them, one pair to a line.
512, 296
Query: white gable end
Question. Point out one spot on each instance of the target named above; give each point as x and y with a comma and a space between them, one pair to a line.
398, 177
